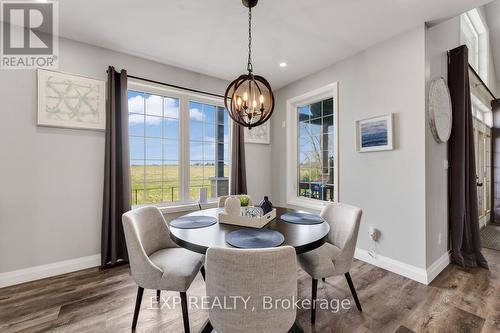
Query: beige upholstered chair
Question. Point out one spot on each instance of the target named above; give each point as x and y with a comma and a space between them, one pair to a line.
335, 256
254, 273
222, 200
155, 260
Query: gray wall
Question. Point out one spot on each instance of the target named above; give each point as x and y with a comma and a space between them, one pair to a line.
51, 179
389, 186
439, 39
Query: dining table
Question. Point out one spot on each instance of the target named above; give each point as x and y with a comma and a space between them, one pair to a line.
302, 237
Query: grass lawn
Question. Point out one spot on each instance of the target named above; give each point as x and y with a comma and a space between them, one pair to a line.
162, 182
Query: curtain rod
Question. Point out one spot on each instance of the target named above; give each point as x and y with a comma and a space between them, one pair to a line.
175, 86
482, 82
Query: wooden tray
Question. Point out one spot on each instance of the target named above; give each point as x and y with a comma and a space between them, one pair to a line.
250, 222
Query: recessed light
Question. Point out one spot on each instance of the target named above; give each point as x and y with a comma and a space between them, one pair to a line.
283, 64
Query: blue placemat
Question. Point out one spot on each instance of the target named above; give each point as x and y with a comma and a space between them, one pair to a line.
193, 222
302, 218
255, 238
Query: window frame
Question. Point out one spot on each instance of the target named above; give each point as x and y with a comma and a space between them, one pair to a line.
292, 105
184, 139
473, 21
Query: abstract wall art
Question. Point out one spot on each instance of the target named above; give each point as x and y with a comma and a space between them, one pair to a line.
374, 134
260, 134
70, 101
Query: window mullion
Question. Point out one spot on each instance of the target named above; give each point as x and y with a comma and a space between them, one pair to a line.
184, 148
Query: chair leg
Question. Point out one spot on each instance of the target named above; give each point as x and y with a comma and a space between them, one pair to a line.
313, 300
323, 279
296, 328
138, 301
353, 291
158, 295
202, 270
185, 316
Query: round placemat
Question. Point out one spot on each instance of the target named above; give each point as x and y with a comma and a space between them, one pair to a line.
255, 238
302, 218
193, 222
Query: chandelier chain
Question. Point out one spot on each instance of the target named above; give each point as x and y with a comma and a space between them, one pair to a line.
249, 64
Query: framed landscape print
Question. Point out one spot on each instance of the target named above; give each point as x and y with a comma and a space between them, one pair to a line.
259, 134
374, 134
70, 101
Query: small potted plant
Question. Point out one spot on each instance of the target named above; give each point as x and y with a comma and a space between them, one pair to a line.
244, 200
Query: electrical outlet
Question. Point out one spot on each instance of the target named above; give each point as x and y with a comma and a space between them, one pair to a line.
374, 234
446, 164
283, 124
440, 236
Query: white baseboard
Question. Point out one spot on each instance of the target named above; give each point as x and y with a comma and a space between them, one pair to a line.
45, 271
424, 276
437, 267
412, 272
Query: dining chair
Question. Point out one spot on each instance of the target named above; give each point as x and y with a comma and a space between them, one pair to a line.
336, 255
222, 200
252, 274
155, 260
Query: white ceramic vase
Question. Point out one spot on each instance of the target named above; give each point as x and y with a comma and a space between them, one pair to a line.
233, 206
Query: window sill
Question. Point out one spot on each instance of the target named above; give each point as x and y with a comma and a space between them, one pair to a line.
187, 207
315, 205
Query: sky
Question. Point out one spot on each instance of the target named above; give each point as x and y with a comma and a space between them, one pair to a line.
157, 118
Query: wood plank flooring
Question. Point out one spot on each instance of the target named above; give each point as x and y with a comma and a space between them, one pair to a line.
458, 300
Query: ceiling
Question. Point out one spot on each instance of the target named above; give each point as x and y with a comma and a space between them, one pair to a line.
210, 37
492, 11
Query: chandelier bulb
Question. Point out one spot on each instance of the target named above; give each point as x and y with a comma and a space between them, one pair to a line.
261, 99
245, 96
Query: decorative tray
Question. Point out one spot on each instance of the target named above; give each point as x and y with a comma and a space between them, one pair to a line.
245, 221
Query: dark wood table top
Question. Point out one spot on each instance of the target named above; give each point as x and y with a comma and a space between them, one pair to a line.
303, 238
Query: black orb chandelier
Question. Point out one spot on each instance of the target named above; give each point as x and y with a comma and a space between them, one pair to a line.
249, 99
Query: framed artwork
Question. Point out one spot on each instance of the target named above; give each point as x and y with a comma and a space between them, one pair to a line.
260, 134
375, 134
70, 101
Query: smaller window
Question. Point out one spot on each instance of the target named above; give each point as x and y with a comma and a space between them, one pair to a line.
312, 154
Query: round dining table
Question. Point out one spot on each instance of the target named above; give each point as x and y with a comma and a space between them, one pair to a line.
302, 237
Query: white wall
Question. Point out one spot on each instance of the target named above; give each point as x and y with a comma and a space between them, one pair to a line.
439, 39
51, 179
389, 186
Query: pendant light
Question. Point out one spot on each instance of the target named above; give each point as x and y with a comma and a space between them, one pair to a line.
249, 99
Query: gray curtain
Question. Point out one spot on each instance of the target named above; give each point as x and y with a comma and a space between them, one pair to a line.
238, 181
495, 142
464, 216
116, 200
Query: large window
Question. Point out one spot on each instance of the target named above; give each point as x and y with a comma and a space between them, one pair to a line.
209, 150
179, 144
312, 155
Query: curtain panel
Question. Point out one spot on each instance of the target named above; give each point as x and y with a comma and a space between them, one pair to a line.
464, 216
117, 187
238, 181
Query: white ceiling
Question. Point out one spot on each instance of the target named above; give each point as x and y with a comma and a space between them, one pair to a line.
210, 36
492, 11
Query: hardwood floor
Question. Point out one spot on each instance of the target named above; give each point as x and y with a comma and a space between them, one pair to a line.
458, 300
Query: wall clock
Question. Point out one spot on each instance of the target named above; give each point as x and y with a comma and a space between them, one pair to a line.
439, 112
